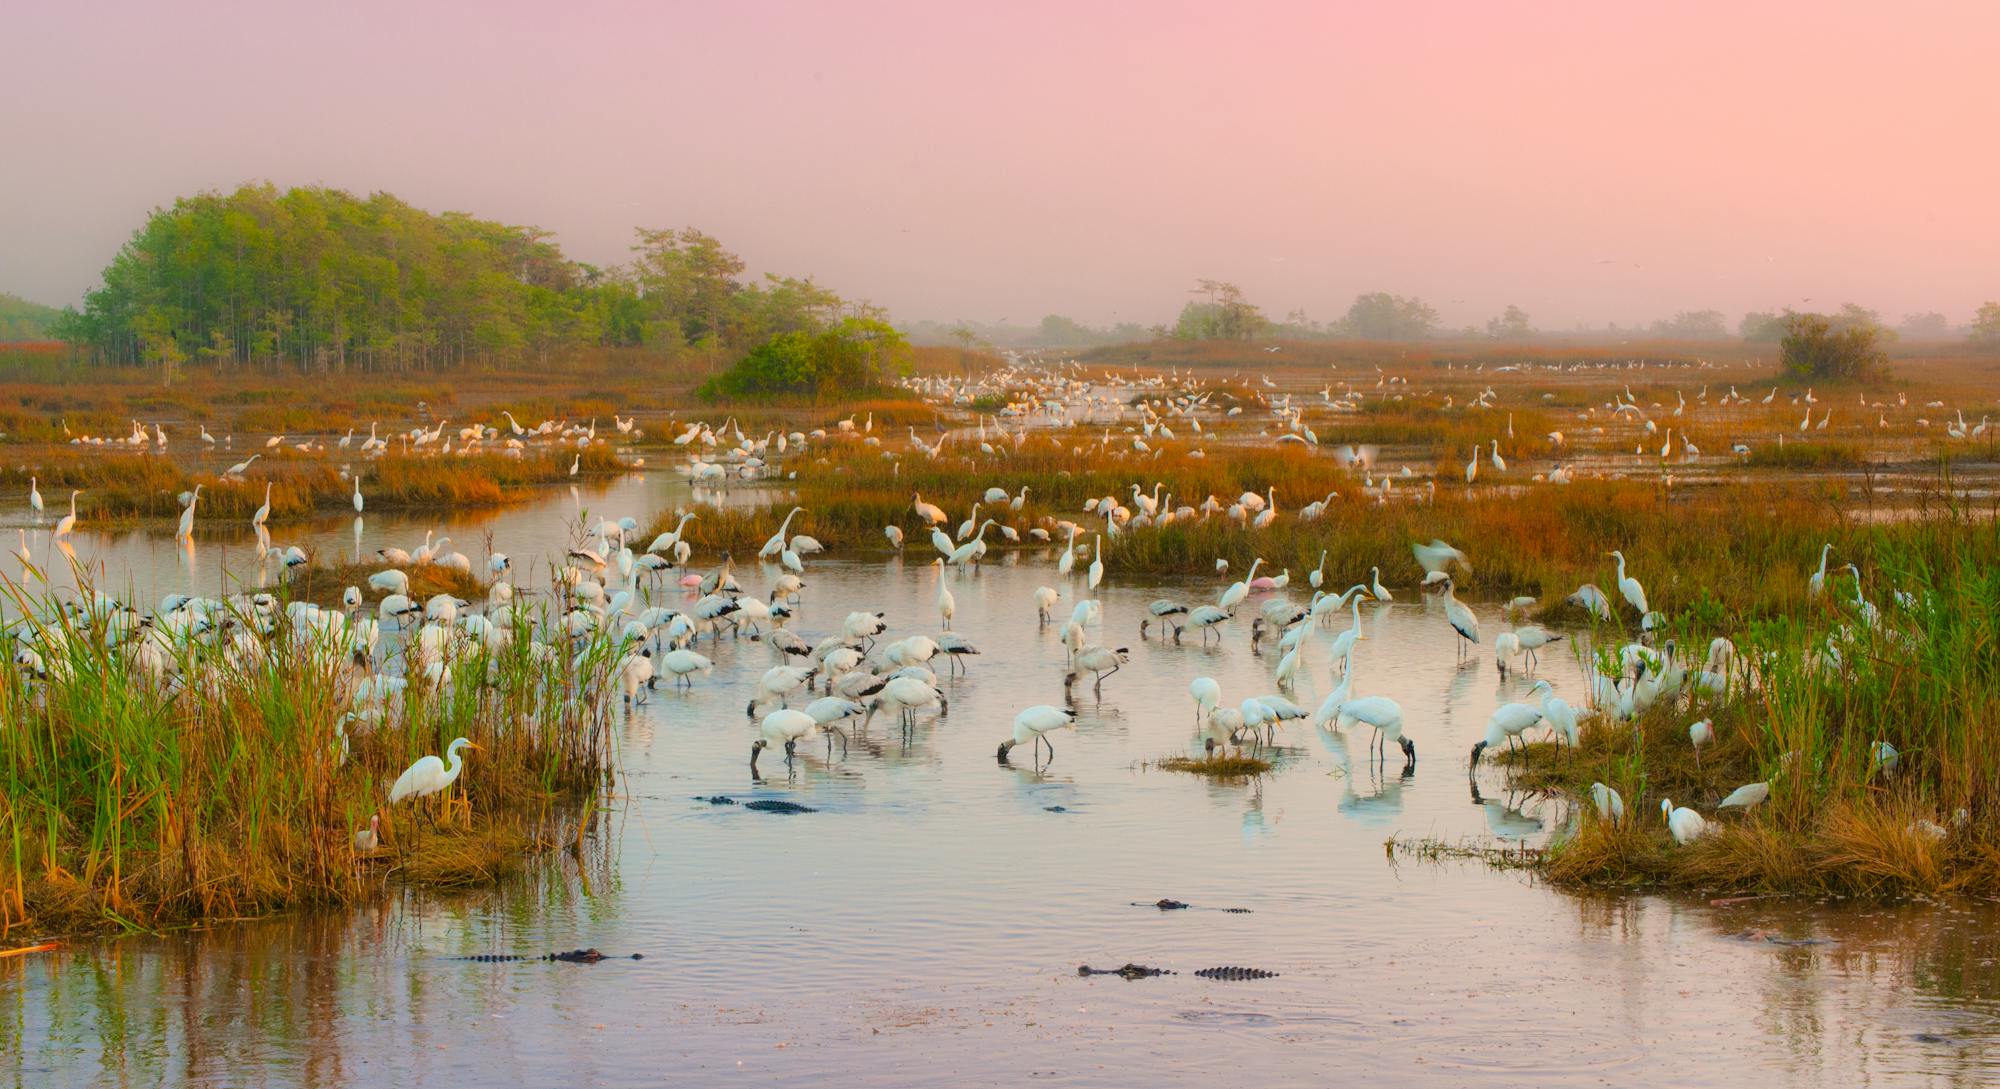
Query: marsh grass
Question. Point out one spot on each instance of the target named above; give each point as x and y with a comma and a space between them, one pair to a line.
228, 779
1227, 766
324, 585
1824, 690
1807, 455
1716, 552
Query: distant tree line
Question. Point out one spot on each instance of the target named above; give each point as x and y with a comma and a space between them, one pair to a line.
24, 320
319, 278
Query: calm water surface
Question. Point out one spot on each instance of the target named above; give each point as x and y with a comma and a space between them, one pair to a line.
924, 927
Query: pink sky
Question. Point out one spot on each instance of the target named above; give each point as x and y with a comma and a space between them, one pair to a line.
1587, 161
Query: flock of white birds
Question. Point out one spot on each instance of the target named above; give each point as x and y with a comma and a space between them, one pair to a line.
604, 585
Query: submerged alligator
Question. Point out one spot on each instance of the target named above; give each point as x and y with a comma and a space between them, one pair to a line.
1140, 971
574, 956
762, 805
1182, 905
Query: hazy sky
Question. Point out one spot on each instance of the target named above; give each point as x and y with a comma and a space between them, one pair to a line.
1589, 161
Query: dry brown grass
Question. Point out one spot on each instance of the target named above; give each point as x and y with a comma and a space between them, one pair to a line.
1223, 766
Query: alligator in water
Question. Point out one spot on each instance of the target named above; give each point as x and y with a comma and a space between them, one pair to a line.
762, 805
1140, 971
574, 956
1129, 971
1181, 905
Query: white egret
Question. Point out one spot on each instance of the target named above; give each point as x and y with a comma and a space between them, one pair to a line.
1629, 587
1343, 644
1237, 591
429, 775
1375, 588
1557, 712
1817, 582
946, 604
1610, 804
1684, 824
68, 521
776, 543
186, 530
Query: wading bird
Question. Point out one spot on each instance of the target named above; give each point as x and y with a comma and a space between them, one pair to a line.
429, 775
1033, 725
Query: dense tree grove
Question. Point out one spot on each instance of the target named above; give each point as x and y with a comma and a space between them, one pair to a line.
322, 279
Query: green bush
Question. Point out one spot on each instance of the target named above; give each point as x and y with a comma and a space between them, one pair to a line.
855, 356
1814, 348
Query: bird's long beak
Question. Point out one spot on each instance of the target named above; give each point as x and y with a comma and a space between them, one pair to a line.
479, 748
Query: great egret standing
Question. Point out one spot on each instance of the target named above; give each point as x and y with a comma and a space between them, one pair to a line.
1237, 591
186, 530
429, 775
1610, 804
946, 604
1634, 594
68, 521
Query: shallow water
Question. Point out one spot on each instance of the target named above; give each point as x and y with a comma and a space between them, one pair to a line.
925, 925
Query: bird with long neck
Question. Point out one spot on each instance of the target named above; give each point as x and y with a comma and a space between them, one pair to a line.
1068, 561
1234, 596
68, 521
777, 542
1817, 582
1328, 714
186, 531
430, 775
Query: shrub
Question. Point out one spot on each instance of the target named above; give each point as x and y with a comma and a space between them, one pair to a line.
1813, 348
858, 354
